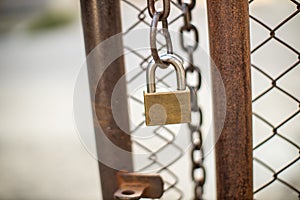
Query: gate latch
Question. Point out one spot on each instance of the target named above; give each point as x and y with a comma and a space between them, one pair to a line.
134, 186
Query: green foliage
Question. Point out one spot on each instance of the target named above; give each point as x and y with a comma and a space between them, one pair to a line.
51, 20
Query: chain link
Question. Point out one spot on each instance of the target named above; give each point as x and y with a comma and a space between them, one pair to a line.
164, 13
191, 5
198, 172
189, 28
156, 17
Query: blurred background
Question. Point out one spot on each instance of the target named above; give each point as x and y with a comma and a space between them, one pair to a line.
42, 52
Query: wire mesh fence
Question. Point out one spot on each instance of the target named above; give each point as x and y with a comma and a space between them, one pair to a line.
275, 83
139, 12
175, 174
275, 70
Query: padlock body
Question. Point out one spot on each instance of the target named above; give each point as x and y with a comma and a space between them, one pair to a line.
167, 107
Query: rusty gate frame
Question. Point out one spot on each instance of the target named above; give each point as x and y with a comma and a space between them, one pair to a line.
101, 19
228, 22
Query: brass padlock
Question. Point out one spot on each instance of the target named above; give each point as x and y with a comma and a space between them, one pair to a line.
167, 107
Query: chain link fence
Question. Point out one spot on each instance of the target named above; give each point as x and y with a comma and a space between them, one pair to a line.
275, 89
177, 176
164, 137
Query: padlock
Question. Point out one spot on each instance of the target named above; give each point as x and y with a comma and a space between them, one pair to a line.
167, 107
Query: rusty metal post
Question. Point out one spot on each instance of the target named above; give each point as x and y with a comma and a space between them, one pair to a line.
230, 50
101, 19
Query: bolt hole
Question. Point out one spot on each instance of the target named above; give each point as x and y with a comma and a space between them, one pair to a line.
128, 192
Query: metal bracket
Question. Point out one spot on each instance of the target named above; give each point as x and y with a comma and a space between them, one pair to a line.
133, 186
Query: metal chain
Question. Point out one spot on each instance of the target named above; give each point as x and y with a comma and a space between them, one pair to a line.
164, 13
197, 154
156, 17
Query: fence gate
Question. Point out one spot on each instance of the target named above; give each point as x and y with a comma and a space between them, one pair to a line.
257, 145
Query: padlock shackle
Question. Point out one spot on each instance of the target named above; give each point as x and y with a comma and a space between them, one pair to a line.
168, 59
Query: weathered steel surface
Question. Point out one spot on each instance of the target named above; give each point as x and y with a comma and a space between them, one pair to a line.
101, 19
230, 50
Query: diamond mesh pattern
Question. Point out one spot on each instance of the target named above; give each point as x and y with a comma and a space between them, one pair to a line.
276, 98
163, 135
275, 66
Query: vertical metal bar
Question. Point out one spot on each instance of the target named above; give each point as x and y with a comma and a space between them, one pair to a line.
230, 50
101, 19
